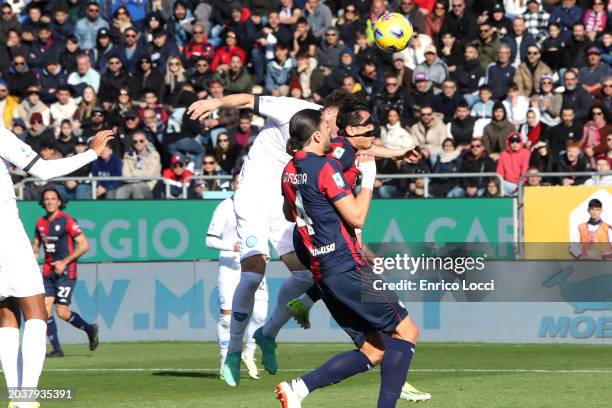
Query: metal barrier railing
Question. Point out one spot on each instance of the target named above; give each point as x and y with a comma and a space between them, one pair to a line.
95, 180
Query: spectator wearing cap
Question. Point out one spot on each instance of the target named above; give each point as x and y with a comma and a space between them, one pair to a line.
576, 96
575, 50
391, 97
8, 21
141, 160
175, 177
411, 11
87, 28
461, 22
513, 163
319, 17
461, 127
160, 49
328, 53
568, 130
500, 23
94, 124
566, 15
501, 73
429, 132
64, 108
573, 160
129, 124
8, 104
536, 20
470, 74
519, 40
84, 75
435, 69
38, 134
548, 101
32, 104
447, 101
402, 72
279, 70
115, 78
107, 165
487, 44
495, 133
528, 74
130, 50
103, 50
594, 73
422, 95
19, 76
50, 79
61, 25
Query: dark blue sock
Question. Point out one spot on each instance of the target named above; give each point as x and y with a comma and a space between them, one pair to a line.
52, 334
314, 294
394, 370
336, 369
77, 321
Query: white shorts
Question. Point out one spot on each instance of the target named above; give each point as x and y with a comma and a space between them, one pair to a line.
228, 279
260, 219
20, 274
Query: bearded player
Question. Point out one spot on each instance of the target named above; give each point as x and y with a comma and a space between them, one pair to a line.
21, 286
258, 207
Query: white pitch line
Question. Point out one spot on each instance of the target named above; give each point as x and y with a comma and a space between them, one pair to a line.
433, 370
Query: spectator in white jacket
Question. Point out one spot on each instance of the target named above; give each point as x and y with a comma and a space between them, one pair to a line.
393, 134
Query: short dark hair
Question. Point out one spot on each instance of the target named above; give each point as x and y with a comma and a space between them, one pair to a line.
595, 203
463, 104
301, 20
337, 98
348, 115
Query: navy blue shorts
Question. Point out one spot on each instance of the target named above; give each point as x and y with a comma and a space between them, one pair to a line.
342, 294
59, 287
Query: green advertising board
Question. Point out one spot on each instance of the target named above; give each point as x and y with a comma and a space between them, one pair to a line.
176, 229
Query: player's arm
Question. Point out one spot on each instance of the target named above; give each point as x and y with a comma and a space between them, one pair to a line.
82, 246
354, 210
382, 152
36, 246
201, 109
287, 212
21, 155
214, 235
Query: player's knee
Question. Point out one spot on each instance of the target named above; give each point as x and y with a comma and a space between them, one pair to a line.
407, 330
63, 313
373, 354
292, 262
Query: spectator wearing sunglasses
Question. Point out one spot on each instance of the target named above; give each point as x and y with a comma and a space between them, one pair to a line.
19, 77
141, 160
131, 51
87, 28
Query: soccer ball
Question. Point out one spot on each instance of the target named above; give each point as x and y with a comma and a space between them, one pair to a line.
392, 32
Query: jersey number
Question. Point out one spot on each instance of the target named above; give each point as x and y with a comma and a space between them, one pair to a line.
302, 218
63, 291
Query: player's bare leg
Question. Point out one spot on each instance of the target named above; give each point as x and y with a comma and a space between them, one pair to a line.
298, 282
10, 317
253, 270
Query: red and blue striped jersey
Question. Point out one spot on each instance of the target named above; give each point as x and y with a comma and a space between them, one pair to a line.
57, 237
312, 184
345, 153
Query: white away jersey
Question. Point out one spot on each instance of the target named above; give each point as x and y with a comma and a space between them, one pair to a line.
268, 156
223, 226
14, 151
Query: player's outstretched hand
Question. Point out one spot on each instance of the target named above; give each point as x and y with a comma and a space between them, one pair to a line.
100, 140
413, 155
203, 108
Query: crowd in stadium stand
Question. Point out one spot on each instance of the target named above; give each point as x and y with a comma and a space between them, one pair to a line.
513, 86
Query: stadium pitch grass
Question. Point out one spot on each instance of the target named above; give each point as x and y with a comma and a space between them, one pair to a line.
186, 374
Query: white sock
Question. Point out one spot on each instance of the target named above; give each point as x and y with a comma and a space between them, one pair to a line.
260, 310
9, 355
306, 301
223, 335
300, 388
242, 307
33, 348
298, 283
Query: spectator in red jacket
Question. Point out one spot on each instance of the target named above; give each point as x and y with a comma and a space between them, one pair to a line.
224, 53
513, 162
198, 47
